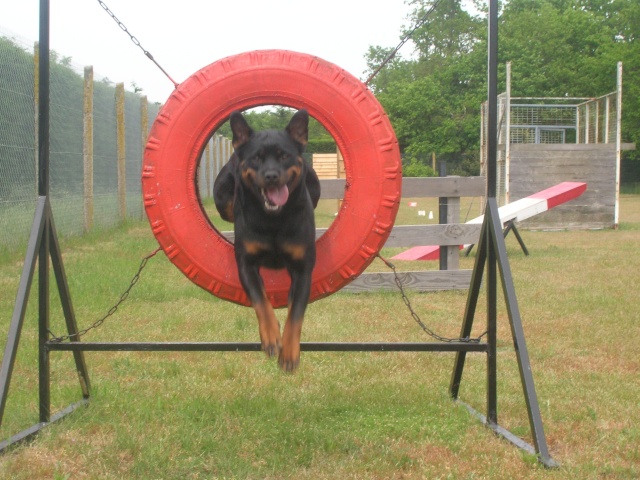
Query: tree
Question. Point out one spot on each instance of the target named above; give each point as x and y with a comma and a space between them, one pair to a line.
556, 48
433, 101
571, 47
277, 118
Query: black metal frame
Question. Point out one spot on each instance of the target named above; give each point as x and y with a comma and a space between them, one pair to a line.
510, 227
43, 244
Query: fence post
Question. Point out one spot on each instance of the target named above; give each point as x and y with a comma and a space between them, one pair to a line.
87, 148
144, 131
121, 152
449, 212
616, 213
453, 216
223, 151
207, 168
442, 218
216, 164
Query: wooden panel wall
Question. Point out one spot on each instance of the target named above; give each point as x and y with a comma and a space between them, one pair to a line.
326, 165
536, 167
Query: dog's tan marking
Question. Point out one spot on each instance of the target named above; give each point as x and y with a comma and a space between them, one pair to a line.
253, 248
268, 327
289, 357
248, 176
295, 172
296, 251
228, 210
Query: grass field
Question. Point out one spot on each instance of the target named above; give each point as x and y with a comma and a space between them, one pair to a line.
342, 415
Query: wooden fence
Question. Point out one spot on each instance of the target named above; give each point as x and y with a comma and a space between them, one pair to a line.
450, 235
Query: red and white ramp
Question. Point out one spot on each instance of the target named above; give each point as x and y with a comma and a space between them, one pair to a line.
517, 211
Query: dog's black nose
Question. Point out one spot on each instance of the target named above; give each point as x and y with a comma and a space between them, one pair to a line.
271, 177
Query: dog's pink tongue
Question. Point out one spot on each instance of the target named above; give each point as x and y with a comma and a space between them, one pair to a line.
278, 196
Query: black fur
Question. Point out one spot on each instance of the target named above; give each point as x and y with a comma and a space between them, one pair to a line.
269, 192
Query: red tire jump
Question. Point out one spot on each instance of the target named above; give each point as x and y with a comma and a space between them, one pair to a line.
339, 101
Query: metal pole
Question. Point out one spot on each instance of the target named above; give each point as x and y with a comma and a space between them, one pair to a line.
43, 192
492, 164
492, 110
507, 138
43, 103
616, 215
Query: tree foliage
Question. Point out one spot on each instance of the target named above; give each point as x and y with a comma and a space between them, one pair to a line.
278, 117
556, 48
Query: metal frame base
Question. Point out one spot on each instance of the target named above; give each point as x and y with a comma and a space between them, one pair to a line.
510, 437
29, 433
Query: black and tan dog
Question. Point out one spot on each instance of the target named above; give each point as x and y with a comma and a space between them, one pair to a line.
269, 193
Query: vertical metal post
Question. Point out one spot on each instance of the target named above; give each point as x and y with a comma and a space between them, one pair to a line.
578, 124
607, 115
616, 216
492, 318
597, 126
587, 122
507, 138
492, 155
492, 101
43, 191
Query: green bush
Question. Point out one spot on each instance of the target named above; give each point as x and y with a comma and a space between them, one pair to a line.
415, 168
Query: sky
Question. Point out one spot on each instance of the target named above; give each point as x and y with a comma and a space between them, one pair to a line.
185, 35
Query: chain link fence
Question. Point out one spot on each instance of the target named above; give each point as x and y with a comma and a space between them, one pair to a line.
84, 172
17, 142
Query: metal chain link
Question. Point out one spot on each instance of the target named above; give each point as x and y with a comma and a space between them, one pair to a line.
135, 40
415, 316
112, 310
404, 40
143, 264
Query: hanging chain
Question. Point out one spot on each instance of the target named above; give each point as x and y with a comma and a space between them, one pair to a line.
405, 39
112, 310
415, 316
135, 41
145, 260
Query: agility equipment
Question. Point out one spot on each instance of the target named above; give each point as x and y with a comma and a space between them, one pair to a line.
491, 259
516, 211
339, 101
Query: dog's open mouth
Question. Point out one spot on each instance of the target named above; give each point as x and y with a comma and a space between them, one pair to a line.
275, 198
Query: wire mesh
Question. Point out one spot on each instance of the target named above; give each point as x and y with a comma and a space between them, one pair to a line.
18, 146
597, 119
549, 121
18, 181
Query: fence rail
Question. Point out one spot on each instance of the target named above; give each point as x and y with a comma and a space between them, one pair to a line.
449, 236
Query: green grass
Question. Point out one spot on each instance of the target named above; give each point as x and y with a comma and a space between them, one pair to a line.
342, 415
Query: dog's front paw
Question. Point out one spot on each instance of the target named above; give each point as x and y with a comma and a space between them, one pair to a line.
289, 358
272, 347
270, 338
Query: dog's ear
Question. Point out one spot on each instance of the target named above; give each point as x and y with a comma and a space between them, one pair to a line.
298, 128
240, 128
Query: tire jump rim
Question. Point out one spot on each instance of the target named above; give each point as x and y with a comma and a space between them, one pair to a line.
203, 102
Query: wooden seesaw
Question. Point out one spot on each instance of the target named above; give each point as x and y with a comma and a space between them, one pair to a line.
514, 212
